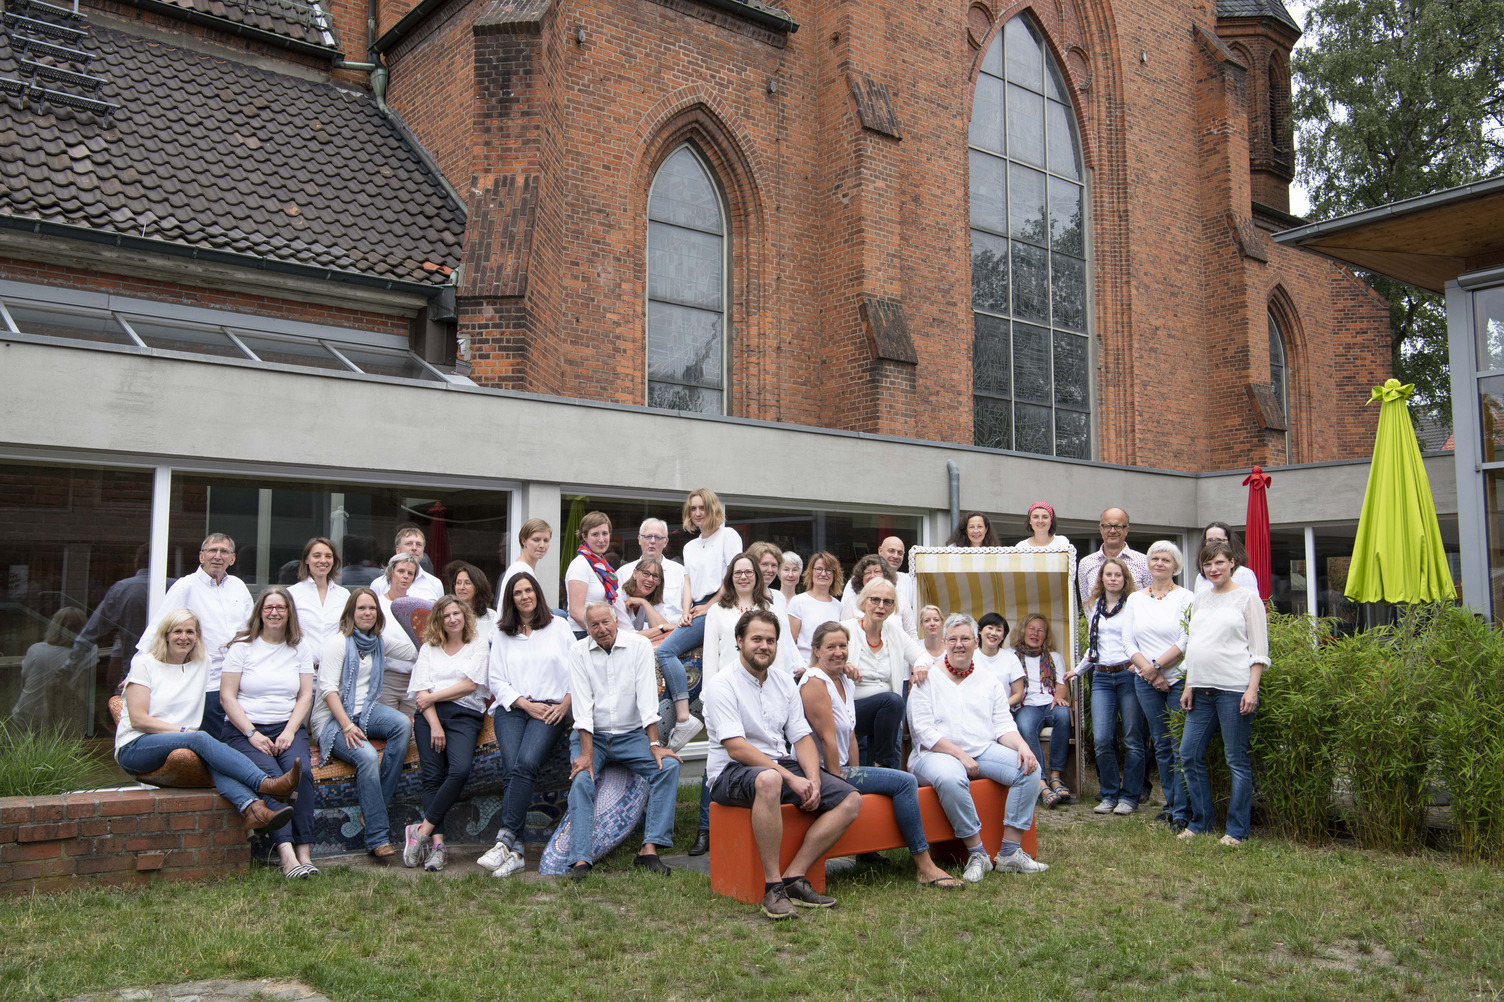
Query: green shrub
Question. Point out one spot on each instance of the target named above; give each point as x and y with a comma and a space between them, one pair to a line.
1469, 731
41, 763
1294, 768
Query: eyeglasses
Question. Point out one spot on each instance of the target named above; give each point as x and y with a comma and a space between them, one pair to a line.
652, 539
879, 601
743, 573
823, 570
1110, 527
218, 551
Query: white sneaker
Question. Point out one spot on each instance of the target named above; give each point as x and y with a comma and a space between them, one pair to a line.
1105, 807
683, 732
495, 856
1124, 807
1019, 861
510, 865
977, 867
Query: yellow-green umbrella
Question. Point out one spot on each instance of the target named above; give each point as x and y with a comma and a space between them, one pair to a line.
1398, 556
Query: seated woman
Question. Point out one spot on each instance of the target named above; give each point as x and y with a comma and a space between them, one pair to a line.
817, 604
828, 696
643, 595
163, 706
447, 686
529, 675
932, 631
266, 691
401, 608
50, 691
1047, 700
590, 577
349, 711
963, 731
975, 529
993, 629
470, 585
886, 658
742, 590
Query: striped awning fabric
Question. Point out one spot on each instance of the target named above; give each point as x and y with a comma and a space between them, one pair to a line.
1008, 580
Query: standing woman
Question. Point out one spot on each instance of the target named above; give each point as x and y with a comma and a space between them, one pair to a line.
1040, 521
266, 689
409, 612
706, 558
1227, 650
1111, 661
887, 657
975, 530
817, 604
161, 712
828, 696
470, 585
932, 631
1047, 700
317, 597
1243, 577
789, 574
447, 686
349, 710
533, 540
1157, 620
529, 676
590, 578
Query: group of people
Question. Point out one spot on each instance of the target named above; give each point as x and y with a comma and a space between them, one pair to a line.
806, 693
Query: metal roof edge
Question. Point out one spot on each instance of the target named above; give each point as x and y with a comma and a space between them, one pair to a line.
1404, 207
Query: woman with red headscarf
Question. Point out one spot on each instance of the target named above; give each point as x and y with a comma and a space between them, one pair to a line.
1040, 521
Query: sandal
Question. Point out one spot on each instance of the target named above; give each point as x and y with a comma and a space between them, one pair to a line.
300, 871
1050, 797
1058, 787
943, 883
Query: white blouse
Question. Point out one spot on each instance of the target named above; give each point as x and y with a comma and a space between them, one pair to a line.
1157, 624
534, 665
1112, 637
318, 620
1059, 542
706, 558
1229, 634
841, 698
269, 678
177, 694
887, 668
435, 670
973, 713
719, 651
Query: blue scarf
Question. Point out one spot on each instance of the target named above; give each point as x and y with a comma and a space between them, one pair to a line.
357, 645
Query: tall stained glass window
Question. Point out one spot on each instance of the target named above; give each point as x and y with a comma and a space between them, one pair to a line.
1030, 369
687, 264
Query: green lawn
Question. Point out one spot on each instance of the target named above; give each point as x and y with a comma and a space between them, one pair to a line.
1125, 911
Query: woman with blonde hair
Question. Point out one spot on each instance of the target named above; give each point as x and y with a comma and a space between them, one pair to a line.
447, 684
932, 631
162, 710
1047, 700
533, 540
266, 691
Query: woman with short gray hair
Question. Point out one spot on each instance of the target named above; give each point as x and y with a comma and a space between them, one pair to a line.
410, 612
1155, 628
886, 657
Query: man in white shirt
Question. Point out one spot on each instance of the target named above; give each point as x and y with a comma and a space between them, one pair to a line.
652, 536
613, 689
410, 539
1114, 527
222, 604
754, 717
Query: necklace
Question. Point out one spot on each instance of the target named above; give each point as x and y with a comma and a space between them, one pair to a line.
960, 675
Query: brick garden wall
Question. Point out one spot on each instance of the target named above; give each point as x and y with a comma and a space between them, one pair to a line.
118, 838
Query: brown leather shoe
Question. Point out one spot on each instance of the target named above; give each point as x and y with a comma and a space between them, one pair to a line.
285, 786
259, 817
384, 851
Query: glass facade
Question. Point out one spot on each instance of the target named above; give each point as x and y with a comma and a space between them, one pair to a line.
1488, 345
1030, 360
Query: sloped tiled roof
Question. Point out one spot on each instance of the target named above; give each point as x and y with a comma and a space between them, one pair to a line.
1256, 8
212, 153
288, 18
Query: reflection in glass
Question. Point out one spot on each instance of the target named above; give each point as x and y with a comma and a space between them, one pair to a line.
992, 422
1073, 434
683, 195
1024, 64
1031, 365
989, 192
172, 337
686, 288
987, 114
1067, 235
1034, 430
684, 346
684, 266
1068, 291
1054, 84
81, 326
1025, 126
1026, 199
400, 364
1277, 364
989, 272
1071, 388
1488, 320
690, 399
1493, 502
1031, 283
277, 351
992, 371
1491, 417
1063, 156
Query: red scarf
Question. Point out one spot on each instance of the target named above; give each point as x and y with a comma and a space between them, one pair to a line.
602, 570
1046, 664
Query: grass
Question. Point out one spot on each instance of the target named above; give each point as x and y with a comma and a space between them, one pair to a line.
40, 763
1125, 911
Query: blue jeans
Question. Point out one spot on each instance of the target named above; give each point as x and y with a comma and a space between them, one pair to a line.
236, 777
903, 789
879, 729
999, 764
681, 641
212, 722
524, 743
1157, 707
445, 772
1212, 709
1031, 721
633, 751
300, 830
1112, 693
376, 776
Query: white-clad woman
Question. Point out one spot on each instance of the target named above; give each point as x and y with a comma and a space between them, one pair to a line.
643, 591
266, 690
932, 631
589, 578
318, 598
1110, 661
161, 712
789, 574
1227, 650
533, 540
1242, 576
348, 710
827, 693
1040, 521
448, 686
1047, 700
869, 568
1157, 620
409, 612
529, 676
818, 603
769, 562
886, 657
992, 629
470, 585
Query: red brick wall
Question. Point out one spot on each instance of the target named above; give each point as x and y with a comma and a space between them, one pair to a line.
129, 837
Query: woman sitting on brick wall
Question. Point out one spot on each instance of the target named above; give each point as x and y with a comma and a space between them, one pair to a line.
163, 706
266, 691
409, 612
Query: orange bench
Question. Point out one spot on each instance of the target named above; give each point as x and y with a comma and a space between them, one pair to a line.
736, 869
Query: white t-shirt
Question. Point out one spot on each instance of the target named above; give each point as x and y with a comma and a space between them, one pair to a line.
1243, 577
1058, 543
269, 677
706, 559
177, 694
437, 670
318, 621
1157, 624
580, 570
842, 710
1002, 664
672, 606
811, 613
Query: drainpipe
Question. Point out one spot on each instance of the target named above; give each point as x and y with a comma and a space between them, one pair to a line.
954, 472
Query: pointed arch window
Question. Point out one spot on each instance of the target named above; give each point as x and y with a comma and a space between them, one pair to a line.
687, 287
1030, 372
1278, 370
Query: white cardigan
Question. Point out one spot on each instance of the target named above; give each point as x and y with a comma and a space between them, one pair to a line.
903, 651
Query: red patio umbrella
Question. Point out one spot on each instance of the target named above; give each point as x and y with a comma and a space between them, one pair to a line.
438, 538
1256, 529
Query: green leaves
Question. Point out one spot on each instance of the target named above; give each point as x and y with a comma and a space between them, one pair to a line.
42, 763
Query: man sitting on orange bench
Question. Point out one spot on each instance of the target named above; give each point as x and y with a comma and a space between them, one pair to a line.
754, 717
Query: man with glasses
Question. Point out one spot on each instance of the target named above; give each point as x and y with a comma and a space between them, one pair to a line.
652, 537
1114, 526
892, 551
222, 604
410, 539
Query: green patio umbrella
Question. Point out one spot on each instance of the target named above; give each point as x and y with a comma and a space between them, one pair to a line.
1398, 556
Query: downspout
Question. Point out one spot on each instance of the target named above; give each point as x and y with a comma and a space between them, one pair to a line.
377, 71
954, 473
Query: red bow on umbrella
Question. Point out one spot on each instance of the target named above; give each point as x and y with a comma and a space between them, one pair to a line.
1256, 529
